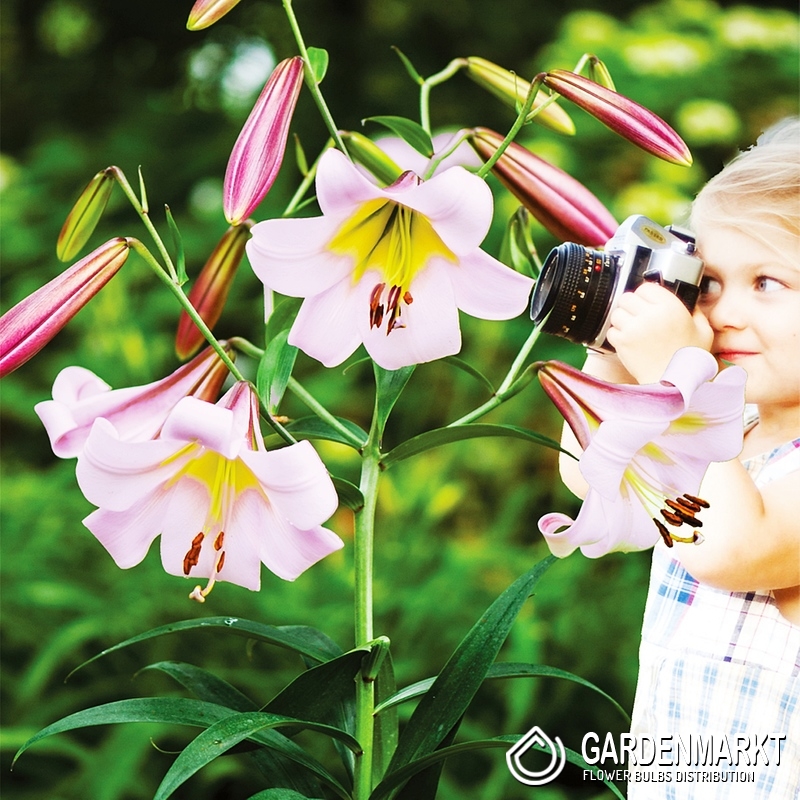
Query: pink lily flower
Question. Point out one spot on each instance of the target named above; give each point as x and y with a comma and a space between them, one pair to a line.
27, 327
257, 156
136, 412
645, 451
389, 267
221, 502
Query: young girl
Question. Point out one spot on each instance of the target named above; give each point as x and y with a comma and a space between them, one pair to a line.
720, 652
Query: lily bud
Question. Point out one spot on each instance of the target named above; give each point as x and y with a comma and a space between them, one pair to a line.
622, 115
27, 327
365, 152
206, 12
562, 204
210, 290
513, 91
85, 214
258, 152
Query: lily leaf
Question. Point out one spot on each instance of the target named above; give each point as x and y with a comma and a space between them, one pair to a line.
177, 240
398, 778
318, 61
411, 132
455, 433
502, 670
410, 68
452, 691
349, 494
308, 642
313, 427
275, 369
470, 370
204, 685
225, 734
389, 385
279, 794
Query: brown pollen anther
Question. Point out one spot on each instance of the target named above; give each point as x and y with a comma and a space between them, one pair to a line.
218, 541
192, 557
698, 500
664, 532
673, 519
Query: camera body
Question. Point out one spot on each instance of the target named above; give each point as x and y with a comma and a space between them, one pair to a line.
579, 287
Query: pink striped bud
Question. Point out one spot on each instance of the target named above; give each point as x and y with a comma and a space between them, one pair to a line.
85, 214
258, 152
27, 327
210, 290
207, 12
513, 91
630, 120
562, 204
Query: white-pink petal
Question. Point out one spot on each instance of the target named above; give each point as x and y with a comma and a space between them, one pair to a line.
487, 289
340, 186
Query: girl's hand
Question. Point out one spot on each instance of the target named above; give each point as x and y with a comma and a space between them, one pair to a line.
649, 326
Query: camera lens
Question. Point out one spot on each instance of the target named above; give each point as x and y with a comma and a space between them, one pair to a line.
574, 292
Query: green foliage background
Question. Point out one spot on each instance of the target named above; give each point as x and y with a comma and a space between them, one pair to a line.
89, 83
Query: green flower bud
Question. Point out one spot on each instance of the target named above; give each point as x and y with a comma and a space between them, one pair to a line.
206, 12
365, 152
82, 220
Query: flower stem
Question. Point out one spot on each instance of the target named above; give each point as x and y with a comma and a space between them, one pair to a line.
506, 389
425, 89
311, 78
204, 329
363, 547
148, 223
523, 118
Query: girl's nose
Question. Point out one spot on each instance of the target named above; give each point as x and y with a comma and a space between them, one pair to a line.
727, 311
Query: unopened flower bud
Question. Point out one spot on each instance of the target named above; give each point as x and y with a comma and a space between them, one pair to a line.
27, 327
258, 152
82, 220
365, 152
210, 290
562, 204
622, 115
207, 12
513, 91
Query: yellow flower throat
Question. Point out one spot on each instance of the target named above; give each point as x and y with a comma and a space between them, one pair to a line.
395, 241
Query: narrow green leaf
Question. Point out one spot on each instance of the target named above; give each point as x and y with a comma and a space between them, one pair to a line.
229, 731
455, 433
275, 369
318, 61
282, 317
143, 192
304, 640
312, 427
398, 778
424, 784
389, 385
386, 725
411, 132
349, 494
503, 670
452, 691
470, 370
204, 685
300, 156
279, 794
180, 253
415, 76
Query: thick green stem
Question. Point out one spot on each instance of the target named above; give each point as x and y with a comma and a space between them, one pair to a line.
311, 78
363, 547
503, 392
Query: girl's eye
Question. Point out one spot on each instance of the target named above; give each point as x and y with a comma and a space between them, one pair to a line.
765, 284
709, 287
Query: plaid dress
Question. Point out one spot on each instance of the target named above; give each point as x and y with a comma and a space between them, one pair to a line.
723, 664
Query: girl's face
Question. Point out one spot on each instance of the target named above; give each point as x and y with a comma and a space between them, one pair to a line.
751, 297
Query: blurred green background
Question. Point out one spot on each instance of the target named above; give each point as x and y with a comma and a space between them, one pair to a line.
88, 83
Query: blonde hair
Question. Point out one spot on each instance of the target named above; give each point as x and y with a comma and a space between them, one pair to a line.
759, 190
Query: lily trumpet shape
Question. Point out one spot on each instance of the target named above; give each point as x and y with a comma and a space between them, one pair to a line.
389, 267
623, 116
210, 290
221, 502
136, 412
258, 153
562, 204
645, 451
27, 327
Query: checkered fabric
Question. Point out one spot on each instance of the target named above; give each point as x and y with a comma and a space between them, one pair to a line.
717, 663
